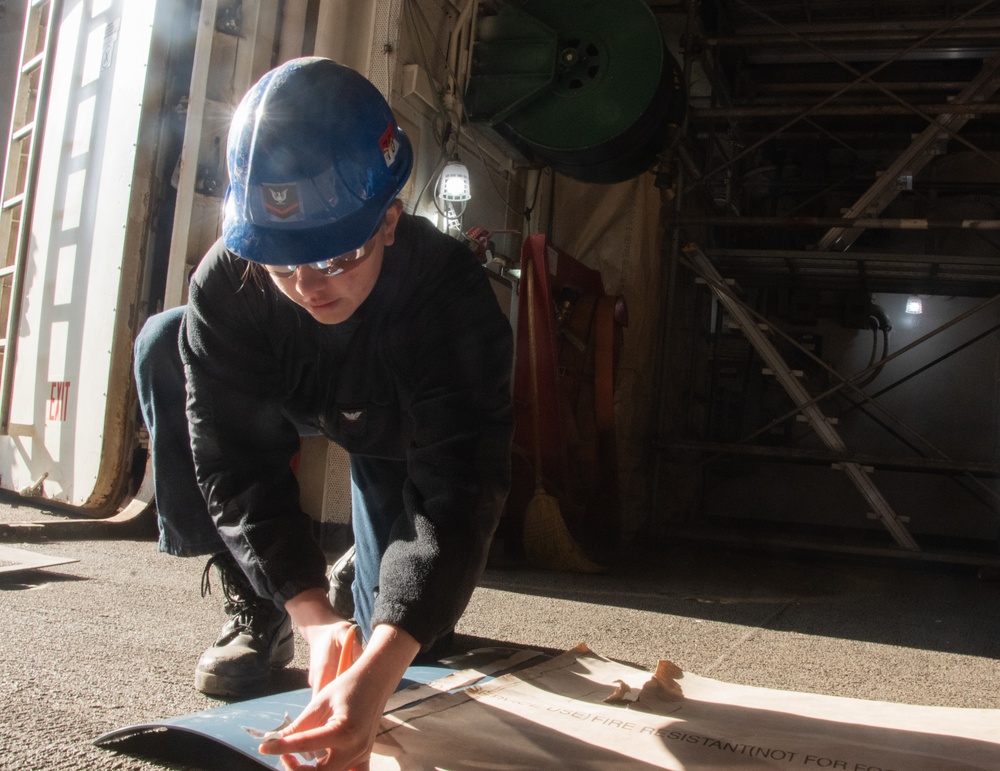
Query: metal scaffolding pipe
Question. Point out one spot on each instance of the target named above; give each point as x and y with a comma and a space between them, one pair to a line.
843, 222
835, 110
722, 289
899, 86
797, 454
811, 255
895, 25
967, 22
991, 33
860, 78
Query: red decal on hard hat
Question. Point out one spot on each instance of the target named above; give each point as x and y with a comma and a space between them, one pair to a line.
281, 201
389, 145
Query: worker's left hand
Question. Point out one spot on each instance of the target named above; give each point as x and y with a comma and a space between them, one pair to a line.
332, 649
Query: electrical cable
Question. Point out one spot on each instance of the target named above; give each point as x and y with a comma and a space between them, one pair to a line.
880, 323
449, 140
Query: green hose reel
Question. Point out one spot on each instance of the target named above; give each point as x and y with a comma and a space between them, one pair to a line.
585, 86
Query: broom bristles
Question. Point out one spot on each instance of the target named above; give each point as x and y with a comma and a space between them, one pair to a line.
548, 542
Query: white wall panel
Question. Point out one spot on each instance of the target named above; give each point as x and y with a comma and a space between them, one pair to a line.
72, 383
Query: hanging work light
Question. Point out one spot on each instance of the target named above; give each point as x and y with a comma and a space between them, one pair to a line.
453, 184
914, 304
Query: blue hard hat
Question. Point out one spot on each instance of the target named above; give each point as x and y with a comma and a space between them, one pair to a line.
315, 158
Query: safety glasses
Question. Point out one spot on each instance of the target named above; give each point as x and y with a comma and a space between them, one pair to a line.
331, 267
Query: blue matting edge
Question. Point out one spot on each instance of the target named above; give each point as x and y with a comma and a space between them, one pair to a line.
225, 725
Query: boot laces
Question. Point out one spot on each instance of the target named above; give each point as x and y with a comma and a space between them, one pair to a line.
242, 604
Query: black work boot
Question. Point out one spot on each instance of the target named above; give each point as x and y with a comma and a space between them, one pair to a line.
341, 585
256, 637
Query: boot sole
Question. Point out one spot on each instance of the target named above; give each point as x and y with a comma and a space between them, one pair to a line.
212, 684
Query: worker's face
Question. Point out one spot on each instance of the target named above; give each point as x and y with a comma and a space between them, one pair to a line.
333, 299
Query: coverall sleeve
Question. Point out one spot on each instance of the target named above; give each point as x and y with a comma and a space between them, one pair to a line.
241, 440
459, 352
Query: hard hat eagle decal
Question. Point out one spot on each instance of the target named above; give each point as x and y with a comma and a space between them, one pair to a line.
282, 201
389, 145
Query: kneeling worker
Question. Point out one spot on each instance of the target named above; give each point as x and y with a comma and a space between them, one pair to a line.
324, 308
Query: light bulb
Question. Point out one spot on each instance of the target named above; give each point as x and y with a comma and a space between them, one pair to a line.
454, 183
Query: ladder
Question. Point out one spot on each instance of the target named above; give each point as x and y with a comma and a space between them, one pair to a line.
20, 174
856, 473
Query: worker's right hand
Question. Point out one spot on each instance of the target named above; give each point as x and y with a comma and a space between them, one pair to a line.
343, 717
339, 723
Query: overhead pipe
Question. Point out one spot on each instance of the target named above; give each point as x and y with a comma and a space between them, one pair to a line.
344, 31
458, 48
293, 26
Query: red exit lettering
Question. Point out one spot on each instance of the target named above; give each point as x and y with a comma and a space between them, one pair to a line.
58, 400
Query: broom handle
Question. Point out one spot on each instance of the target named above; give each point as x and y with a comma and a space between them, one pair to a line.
533, 368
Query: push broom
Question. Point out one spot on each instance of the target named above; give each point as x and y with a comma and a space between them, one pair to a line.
547, 541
